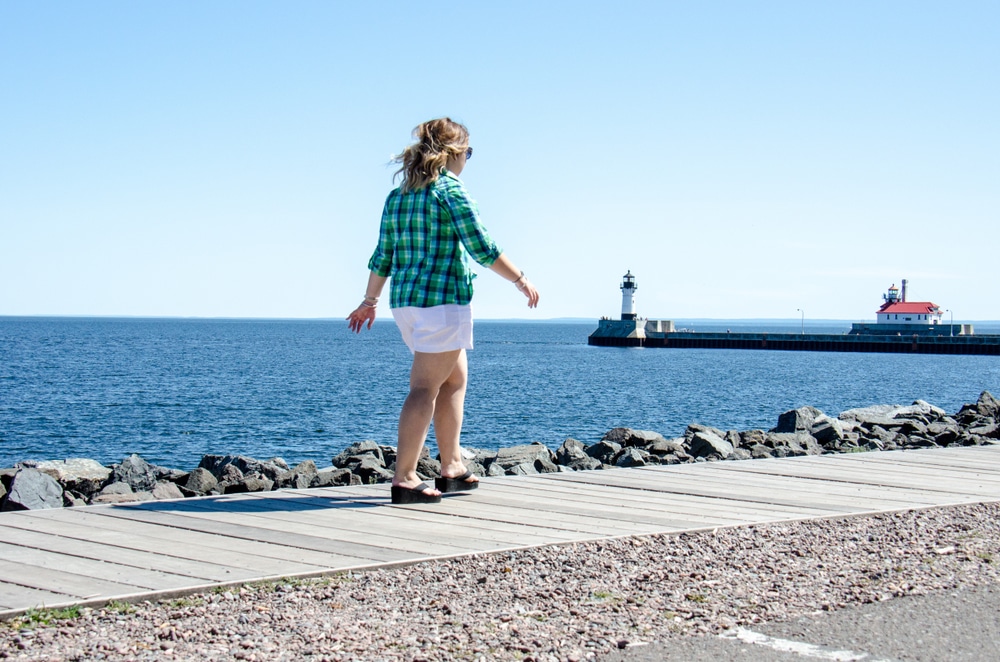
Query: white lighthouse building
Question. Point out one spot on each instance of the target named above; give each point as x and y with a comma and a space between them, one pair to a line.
628, 296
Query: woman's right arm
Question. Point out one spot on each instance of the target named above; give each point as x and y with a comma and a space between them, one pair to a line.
365, 312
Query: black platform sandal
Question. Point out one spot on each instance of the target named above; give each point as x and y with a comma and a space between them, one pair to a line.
404, 495
456, 484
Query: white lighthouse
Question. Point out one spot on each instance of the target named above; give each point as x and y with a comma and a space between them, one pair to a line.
628, 296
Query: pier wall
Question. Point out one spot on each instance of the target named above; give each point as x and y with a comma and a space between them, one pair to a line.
911, 344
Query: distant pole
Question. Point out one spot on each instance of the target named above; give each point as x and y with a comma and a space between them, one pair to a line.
951, 325
802, 331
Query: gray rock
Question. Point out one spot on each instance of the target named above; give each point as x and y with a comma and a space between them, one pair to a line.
892, 416
300, 477
988, 430
787, 444
523, 469
335, 476
538, 455
371, 470
705, 444
201, 481
797, 420
32, 489
571, 448
247, 465
572, 455
626, 437
750, 438
132, 497
135, 471
987, 405
73, 500
632, 457
357, 450
428, 468
250, 483
829, 432
668, 447
77, 474
229, 474
166, 490
117, 488
604, 451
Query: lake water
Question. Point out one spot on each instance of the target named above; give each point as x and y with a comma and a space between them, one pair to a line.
175, 389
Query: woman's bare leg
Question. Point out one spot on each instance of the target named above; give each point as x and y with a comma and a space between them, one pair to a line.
427, 376
448, 411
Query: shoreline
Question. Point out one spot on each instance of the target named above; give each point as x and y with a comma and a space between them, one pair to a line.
31, 485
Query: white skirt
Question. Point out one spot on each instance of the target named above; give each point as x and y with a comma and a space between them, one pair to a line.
436, 329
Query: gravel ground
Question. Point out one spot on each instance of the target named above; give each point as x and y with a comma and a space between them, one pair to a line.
569, 602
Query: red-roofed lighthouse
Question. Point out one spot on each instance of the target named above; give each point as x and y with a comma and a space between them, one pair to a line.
897, 310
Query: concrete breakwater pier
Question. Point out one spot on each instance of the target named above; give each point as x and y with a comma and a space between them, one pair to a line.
634, 333
901, 326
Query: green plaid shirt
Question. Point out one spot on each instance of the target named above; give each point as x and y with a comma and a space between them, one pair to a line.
425, 241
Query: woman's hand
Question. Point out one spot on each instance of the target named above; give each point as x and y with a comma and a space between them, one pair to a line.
527, 288
361, 314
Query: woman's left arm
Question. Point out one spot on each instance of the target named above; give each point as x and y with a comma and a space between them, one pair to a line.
504, 267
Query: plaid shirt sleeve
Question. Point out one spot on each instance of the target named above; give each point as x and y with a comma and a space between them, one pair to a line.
381, 260
465, 218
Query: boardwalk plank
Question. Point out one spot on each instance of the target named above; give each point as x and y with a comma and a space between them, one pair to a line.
159, 555
183, 544
451, 529
58, 581
725, 495
34, 557
371, 554
419, 541
825, 493
14, 597
967, 490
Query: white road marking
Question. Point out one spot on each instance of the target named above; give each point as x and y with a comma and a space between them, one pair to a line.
797, 647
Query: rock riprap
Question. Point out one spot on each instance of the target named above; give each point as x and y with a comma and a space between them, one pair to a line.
33, 484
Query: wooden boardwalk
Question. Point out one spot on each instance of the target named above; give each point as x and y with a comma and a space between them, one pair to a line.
90, 555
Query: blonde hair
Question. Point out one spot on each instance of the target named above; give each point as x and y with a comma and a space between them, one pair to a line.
423, 161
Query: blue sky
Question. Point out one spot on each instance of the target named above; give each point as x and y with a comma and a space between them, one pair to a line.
743, 160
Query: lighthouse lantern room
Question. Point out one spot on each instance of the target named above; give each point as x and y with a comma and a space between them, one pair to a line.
628, 296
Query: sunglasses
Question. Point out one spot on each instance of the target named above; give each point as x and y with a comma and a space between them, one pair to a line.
468, 154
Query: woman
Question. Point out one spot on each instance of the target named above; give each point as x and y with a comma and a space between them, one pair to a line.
430, 228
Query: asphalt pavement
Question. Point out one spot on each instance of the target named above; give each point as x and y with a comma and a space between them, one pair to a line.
959, 625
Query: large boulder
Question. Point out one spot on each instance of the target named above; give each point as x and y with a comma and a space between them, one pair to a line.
627, 437
135, 471
201, 481
32, 489
893, 416
335, 476
217, 464
355, 451
787, 444
370, 469
705, 442
797, 420
299, 477
526, 458
79, 475
573, 455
